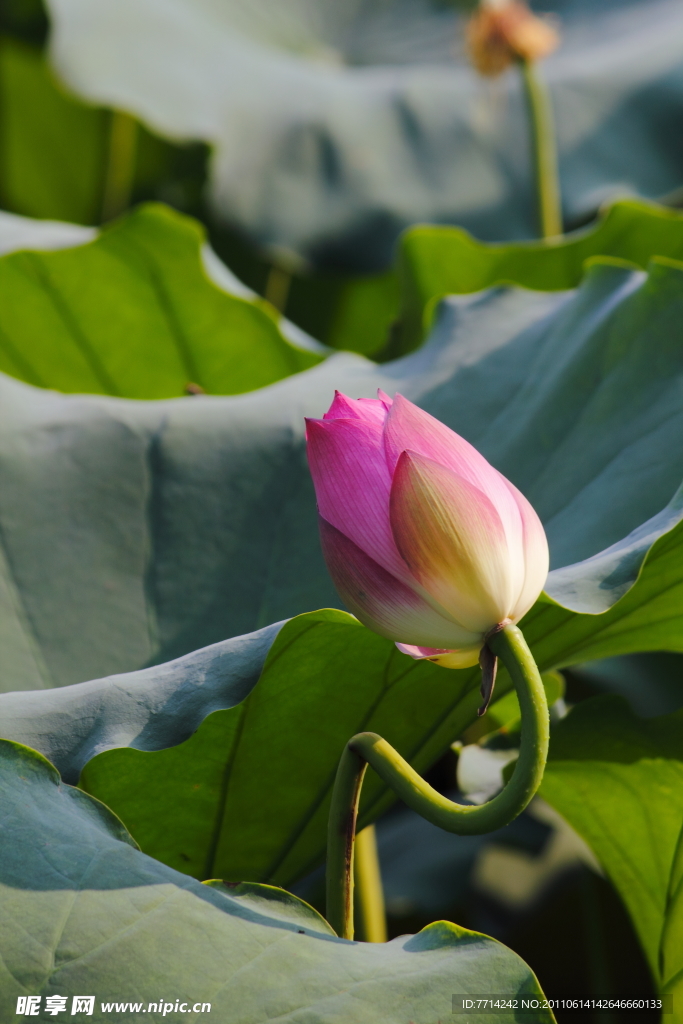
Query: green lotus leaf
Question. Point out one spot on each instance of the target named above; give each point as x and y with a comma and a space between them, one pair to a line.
618, 779
134, 532
86, 913
365, 118
134, 313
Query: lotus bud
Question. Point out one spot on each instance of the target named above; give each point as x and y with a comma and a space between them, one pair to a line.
504, 31
427, 544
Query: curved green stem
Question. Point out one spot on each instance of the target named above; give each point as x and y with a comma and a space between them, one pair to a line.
341, 832
544, 151
367, 748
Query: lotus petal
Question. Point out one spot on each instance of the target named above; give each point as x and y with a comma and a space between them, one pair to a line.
373, 410
536, 555
466, 657
409, 427
352, 486
453, 540
382, 602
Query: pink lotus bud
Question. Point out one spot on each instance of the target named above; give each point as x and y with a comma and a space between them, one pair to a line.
427, 543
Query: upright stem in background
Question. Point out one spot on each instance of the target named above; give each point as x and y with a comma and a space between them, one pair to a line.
369, 748
372, 923
500, 33
277, 288
544, 151
120, 170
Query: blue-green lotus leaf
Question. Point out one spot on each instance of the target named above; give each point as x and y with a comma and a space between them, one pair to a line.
336, 125
149, 709
86, 913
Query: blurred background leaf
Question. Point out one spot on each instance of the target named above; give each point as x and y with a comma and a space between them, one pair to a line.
366, 118
53, 142
53, 148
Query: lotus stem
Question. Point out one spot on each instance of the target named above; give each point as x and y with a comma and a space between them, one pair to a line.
544, 151
369, 895
120, 171
278, 283
367, 748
